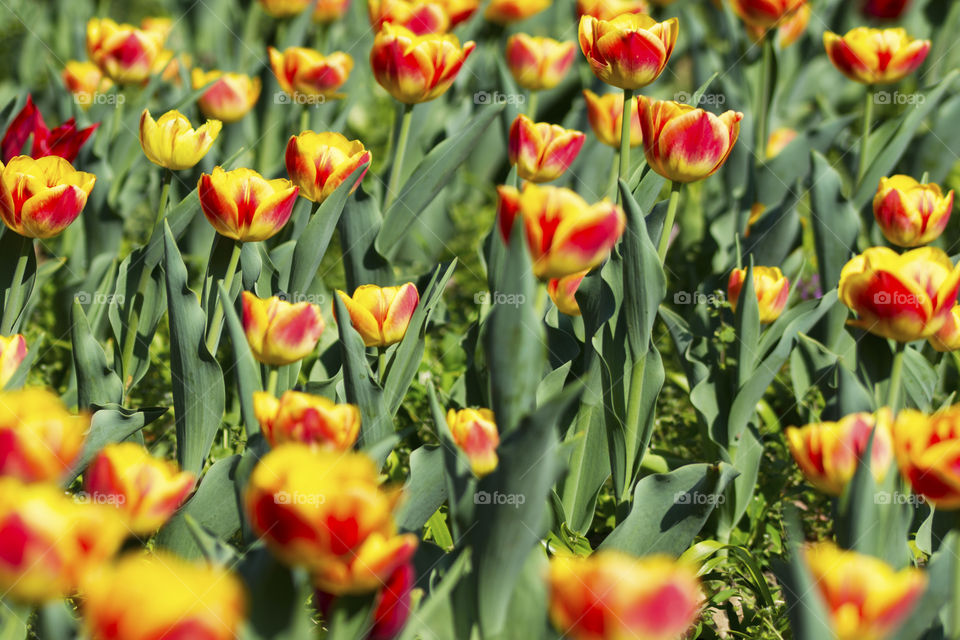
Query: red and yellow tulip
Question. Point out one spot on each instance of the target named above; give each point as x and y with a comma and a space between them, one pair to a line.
948, 337
864, 596
458, 10
475, 432
381, 315
318, 163
330, 10
610, 9
392, 604
565, 235
928, 454
307, 73
771, 287
172, 142
84, 80
779, 140
13, 349
122, 51
885, 9
613, 596
40, 198
160, 595
911, 214
145, 490
230, 96
875, 56
243, 205
39, 439
279, 332
563, 292
605, 115
308, 419
828, 452
790, 29
505, 12
630, 51
766, 13
418, 16
414, 68
325, 510
538, 63
903, 297
285, 8
541, 151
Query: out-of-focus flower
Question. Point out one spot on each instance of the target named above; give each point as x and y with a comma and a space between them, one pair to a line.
325, 510
779, 140
911, 214
39, 438
64, 141
143, 597
280, 332
330, 10
243, 205
305, 418
565, 235
172, 142
630, 51
766, 13
864, 596
771, 287
145, 490
230, 97
475, 432
875, 56
303, 72
49, 542
789, 30
158, 24
458, 10
13, 349
40, 198
538, 63
318, 163
509, 11
828, 452
381, 315
418, 16
122, 51
84, 80
541, 151
610, 9
392, 604
416, 68
605, 115
285, 8
611, 596
928, 454
683, 143
948, 337
902, 297
168, 66
563, 292
885, 9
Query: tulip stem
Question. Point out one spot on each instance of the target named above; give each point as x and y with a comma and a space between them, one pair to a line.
164, 197
14, 301
401, 150
532, 105
955, 617
865, 140
272, 378
381, 363
763, 100
213, 331
612, 186
896, 373
668, 221
625, 136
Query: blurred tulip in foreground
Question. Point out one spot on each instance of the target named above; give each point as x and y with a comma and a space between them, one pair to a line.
538, 63
928, 454
381, 314
243, 205
790, 29
13, 349
305, 418
766, 13
123, 52
875, 56
475, 432
605, 115
40, 198
85, 81
414, 68
911, 214
318, 163
948, 337
771, 287
305, 73
629, 51
392, 604
39, 439
64, 141
230, 97
506, 12
172, 142
279, 332
284, 8
563, 292
541, 151
610, 9
418, 16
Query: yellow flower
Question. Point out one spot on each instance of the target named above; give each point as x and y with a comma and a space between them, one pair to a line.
172, 142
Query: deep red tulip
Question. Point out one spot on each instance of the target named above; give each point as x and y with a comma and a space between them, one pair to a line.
64, 141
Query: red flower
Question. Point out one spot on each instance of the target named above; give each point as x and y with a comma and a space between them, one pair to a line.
64, 141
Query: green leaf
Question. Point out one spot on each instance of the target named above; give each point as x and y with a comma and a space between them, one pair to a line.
278, 597
350, 617
246, 367
96, 381
112, 424
358, 227
835, 222
425, 490
809, 619
644, 283
747, 323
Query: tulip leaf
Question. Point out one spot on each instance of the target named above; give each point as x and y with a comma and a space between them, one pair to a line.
55, 621
940, 571
809, 619
96, 381
919, 380
277, 596
358, 227
142, 295
198, 393
644, 283
434, 618
835, 223
112, 424
246, 367
350, 617
432, 174
13, 620
425, 489
17, 294
747, 323
459, 481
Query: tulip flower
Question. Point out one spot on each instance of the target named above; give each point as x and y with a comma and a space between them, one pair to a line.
790, 29
159, 24
475, 432
611, 595
541, 151
416, 15
771, 287
172, 142
392, 605
565, 235
330, 10
828, 452
325, 510
39, 439
122, 51
563, 292
40, 198
948, 337
381, 314
318, 163
911, 214
928, 454
458, 10
902, 297
630, 51
305, 73
683, 143
230, 97
84, 80
864, 596
160, 595
766, 13
414, 68
13, 349
505, 12
146, 491
605, 115
284, 8
301, 417
64, 141
243, 205
779, 140
610, 9
49, 542
885, 9
875, 56
168, 66
538, 63
279, 332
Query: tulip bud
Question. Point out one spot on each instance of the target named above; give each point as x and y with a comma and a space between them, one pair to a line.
928, 454
84, 80
475, 431
541, 151
765, 13
901, 297
230, 97
242, 205
416, 15
611, 595
780, 140
771, 287
563, 292
875, 56
538, 63
605, 115
329, 10
885, 9
301, 417
40, 198
146, 491
506, 12
305, 73
284, 8
64, 141
172, 142
160, 595
122, 51
381, 314
610, 9
39, 439
13, 349
790, 28
414, 68
458, 10
911, 214
278, 332
630, 51
318, 163
683, 143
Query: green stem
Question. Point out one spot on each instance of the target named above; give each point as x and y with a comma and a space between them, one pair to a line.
14, 303
305, 118
633, 414
272, 379
763, 100
895, 374
213, 331
612, 185
955, 612
668, 222
532, 105
625, 136
865, 140
401, 150
381, 363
